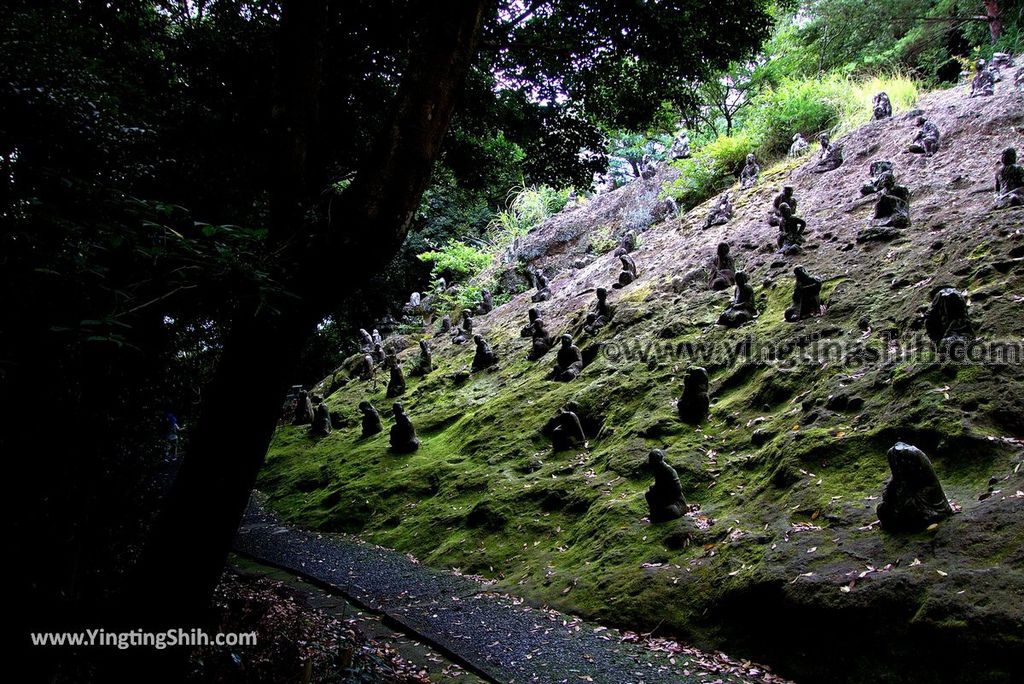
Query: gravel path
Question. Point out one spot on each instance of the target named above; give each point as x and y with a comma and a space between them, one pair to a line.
496, 634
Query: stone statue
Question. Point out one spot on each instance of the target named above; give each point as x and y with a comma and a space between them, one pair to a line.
664, 497
1009, 180
370, 420
830, 157
892, 210
799, 146
946, 321
364, 371
365, 341
723, 269
927, 139
465, 331
1018, 80
378, 354
627, 244
881, 106
569, 362
484, 357
984, 81
913, 498
628, 273
750, 172
791, 230
565, 429
486, 302
742, 308
680, 146
396, 381
721, 212
321, 420
806, 296
425, 364
541, 340
377, 339
694, 403
533, 315
1000, 61
786, 196
446, 325
403, 434
602, 308
877, 170
303, 409
543, 288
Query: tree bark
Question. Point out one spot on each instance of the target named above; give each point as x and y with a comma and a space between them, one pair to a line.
995, 23
185, 555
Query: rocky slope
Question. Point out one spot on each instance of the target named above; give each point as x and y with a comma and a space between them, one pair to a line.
782, 559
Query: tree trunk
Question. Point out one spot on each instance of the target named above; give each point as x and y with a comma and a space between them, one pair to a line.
186, 552
995, 22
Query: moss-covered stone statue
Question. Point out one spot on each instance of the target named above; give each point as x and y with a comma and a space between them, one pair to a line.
403, 434
569, 362
1009, 180
665, 497
791, 231
946, 321
543, 292
694, 403
303, 409
371, 423
806, 296
425, 362
484, 357
628, 273
741, 310
913, 498
321, 420
396, 379
723, 269
565, 429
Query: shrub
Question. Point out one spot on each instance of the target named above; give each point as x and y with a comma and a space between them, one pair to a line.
807, 106
456, 261
527, 208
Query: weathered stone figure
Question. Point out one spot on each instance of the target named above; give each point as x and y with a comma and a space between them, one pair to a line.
364, 371
533, 315
791, 230
377, 339
378, 354
365, 341
565, 429
680, 146
786, 196
947, 321
486, 302
464, 332
370, 420
601, 307
877, 170
484, 357
541, 340
799, 146
721, 212
742, 308
446, 325
568, 362
806, 296
627, 244
830, 157
665, 497
1009, 180
403, 434
396, 381
321, 420
892, 210
723, 269
543, 288
694, 403
881, 106
927, 139
750, 172
913, 498
425, 363
984, 81
628, 273
303, 409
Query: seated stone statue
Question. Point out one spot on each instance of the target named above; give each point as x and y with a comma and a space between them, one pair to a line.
946, 321
694, 403
877, 170
321, 420
984, 82
751, 170
806, 296
464, 332
913, 498
628, 273
568, 362
370, 419
723, 269
365, 341
627, 244
543, 288
830, 157
742, 308
565, 429
892, 210
787, 197
425, 364
999, 62
926, 141
378, 354
446, 325
601, 307
366, 367
799, 146
396, 381
403, 434
533, 314
665, 497
484, 357
881, 106
377, 339
721, 212
1009, 180
791, 230
541, 340
680, 146
303, 409
486, 303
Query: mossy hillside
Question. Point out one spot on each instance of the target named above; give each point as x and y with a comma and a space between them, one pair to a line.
779, 468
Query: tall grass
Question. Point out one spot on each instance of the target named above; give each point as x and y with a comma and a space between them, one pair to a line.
527, 207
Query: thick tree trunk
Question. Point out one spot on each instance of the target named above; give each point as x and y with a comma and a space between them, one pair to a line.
185, 556
995, 23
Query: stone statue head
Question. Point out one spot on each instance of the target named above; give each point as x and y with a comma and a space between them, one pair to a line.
796, 137
887, 180
723, 249
788, 189
655, 456
397, 408
801, 273
602, 294
921, 120
479, 339
424, 347
533, 314
980, 64
785, 210
566, 340
365, 406
824, 139
1009, 156
742, 278
751, 158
